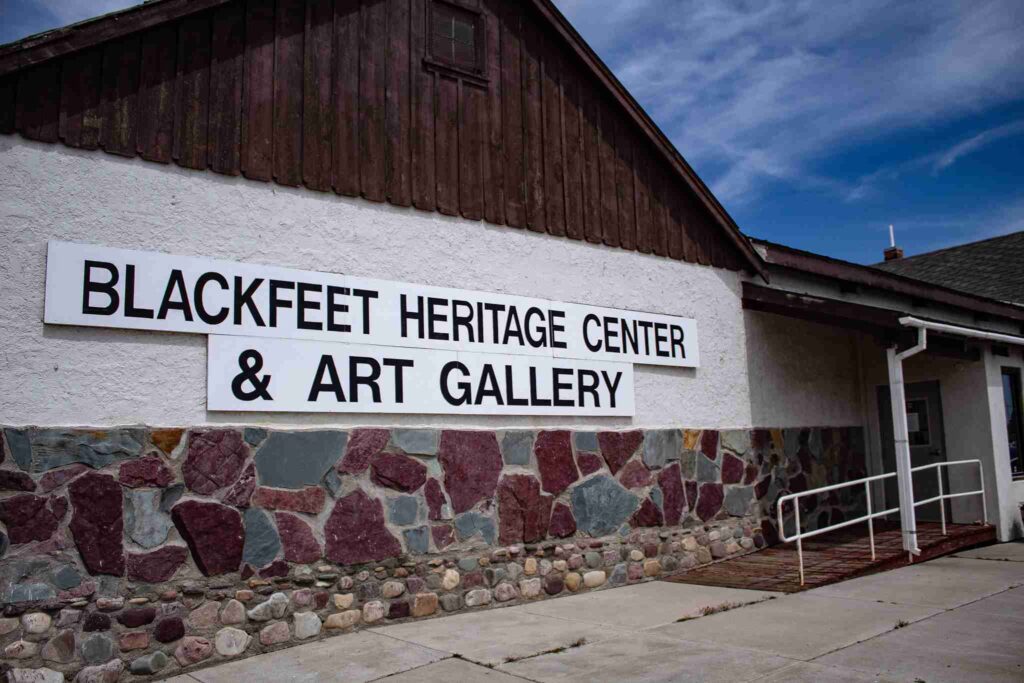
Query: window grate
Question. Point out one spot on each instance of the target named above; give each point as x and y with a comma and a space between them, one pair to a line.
453, 37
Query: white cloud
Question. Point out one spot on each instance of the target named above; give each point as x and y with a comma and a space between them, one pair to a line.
768, 88
976, 142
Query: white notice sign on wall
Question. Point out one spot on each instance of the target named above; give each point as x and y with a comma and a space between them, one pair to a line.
282, 375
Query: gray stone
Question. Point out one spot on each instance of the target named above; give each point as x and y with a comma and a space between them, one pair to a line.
586, 441
469, 523
231, 642
254, 436
67, 577
274, 608
105, 673
688, 465
479, 597
661, 446
60, 648
451, 602
516, 447
5, 543
403, 510
417, 541
791, 442
97, 648
332, 481
28, 592
416, 441
41, 450
468, 564
36, 622
738, 499
262, 543
619, 575
293, 460
148, 664
658, 497
707, 470
144, 523
307, 625
600, 505
736, 441
171, 495
40, 675
593, 559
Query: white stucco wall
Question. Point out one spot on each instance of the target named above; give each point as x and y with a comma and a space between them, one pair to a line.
52, 375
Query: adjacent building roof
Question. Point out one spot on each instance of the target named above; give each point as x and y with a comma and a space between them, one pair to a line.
993, 268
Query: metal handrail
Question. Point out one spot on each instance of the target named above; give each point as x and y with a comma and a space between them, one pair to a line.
866, 482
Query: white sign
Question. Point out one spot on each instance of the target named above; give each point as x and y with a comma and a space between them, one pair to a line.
103, 287
283, 375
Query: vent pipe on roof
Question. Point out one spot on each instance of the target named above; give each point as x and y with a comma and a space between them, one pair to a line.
893, 253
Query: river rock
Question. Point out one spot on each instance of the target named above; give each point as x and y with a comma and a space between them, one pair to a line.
147, 665
193, 650
104, 673
231, 642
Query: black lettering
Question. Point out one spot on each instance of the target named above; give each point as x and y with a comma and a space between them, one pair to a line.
610, 334
629, 336
434, 316
591, 318
130, 311
304, 304
333, 385
560, 386
556, 329
494, 309
588, 383
534, 399
512, 400
244, 298
677, 341
175, 283
512, 321
612, 386
462, 320
645, 325
408, 315
276, 301
660, 337
465, 388
200, 290
334, 307
355, 380
399, 364
540, 329
89, 286
488, 386
365, 295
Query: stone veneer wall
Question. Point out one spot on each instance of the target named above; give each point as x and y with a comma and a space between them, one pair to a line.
130, 552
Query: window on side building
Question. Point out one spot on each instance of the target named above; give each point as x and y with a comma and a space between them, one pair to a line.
455, 39
1014, 421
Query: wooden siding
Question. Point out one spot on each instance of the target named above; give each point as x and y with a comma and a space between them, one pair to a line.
337, 95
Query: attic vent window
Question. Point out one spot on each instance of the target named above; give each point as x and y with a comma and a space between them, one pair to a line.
455, 39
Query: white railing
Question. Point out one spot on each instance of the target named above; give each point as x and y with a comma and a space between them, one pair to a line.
871, 515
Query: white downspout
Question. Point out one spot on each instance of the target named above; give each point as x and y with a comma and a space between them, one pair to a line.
904, 477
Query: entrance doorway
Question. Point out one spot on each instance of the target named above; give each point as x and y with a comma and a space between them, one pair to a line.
927, 443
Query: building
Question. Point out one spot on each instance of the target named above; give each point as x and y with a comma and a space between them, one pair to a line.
552, 363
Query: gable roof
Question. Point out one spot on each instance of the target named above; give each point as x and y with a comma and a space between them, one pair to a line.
98, 34
992, 268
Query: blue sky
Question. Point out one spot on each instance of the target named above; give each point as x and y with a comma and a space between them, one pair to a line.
817, 124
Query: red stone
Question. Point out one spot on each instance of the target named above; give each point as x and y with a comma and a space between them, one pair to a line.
523, 512
709, 443
554, 461
157, 566
732, 469
309, 500
97, 523
761, 490
563, 524
553, 583
472, 464
214, 459
168, 630
797, 484
134, 618
32, 518
55, 478
648, 515
618, 447
751, 474
444, 535
771, 535
761, 439
300, 545
275, 569
214, 534
95, 621
16, 481
148, 471
589, 463
355, 531
435, 499
398, 472
363, 445
398, 610
241, 491
709, 501
671, 484
691, 494
635, 475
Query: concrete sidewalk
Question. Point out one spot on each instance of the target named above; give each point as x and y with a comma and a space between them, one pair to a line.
954, 619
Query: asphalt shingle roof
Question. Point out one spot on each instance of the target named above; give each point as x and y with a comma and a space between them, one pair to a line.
992, 268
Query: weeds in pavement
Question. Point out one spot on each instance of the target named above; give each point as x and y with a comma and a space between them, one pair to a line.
724, 607
553, 651
902, 624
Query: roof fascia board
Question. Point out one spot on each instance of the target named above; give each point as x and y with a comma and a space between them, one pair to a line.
61, 41
633, 109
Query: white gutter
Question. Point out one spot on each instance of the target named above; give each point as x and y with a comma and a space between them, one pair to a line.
898, 399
